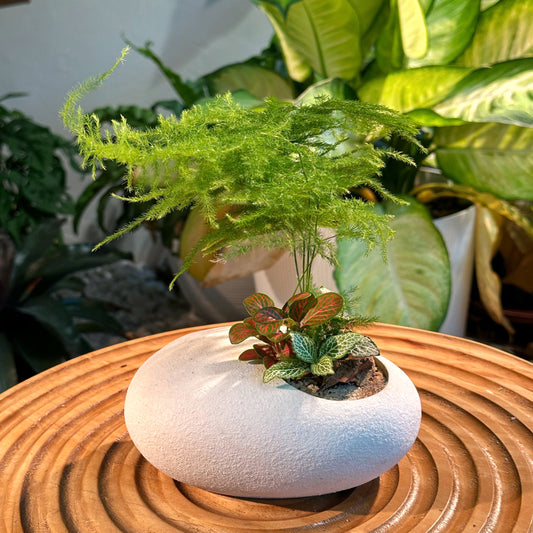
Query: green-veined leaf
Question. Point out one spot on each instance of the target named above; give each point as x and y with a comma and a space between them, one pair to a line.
366, 347
337, 346
303, 346
288, 369
323, 366
413, 287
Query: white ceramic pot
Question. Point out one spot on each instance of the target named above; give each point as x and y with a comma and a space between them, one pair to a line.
204, 418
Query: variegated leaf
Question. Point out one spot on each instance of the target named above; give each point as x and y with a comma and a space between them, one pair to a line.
338, 346
326, 307
288, 369
366, 347
303, 346
323, 366
257, 301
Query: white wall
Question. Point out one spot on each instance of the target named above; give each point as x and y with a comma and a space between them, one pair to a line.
48, 47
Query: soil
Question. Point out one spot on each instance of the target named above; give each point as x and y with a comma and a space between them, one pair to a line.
368, 382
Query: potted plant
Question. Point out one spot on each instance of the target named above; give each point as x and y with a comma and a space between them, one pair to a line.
266, 177
401, 54
469, 89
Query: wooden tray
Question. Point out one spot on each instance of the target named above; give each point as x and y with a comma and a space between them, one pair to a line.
67, 463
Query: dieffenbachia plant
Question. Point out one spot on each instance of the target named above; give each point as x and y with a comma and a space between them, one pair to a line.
270, 177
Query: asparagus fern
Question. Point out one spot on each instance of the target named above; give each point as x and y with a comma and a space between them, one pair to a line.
283, 170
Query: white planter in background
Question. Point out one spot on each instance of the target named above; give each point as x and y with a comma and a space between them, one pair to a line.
457, 231
206, 419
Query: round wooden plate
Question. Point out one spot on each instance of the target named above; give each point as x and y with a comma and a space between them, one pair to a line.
68, 464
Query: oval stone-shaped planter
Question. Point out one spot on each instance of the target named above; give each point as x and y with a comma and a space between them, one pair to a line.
206, 419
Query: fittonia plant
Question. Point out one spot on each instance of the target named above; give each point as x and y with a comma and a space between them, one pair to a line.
270, 176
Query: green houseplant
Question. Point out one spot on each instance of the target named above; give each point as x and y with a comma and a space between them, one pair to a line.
270, 176
402, 54
469, 87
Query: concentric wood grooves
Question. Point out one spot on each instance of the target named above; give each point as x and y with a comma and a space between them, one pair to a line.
67, 463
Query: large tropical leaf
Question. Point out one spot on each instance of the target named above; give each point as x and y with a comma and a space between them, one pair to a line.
495, 158
503, 32
282, 5
414, 31
321, 36
406, 90
412, 288
502, 93
255, 79
450, 26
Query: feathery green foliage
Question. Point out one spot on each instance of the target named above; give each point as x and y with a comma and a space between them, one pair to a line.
285, 170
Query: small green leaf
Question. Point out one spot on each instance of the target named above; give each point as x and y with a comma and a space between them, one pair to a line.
323, 366
366, 347
289, 369
242, 330
257, 301
338, 346
303, 346
326, 307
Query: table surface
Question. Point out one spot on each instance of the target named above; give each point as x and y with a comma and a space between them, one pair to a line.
68, 464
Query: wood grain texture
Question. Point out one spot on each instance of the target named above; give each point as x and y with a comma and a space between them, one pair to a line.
67, 463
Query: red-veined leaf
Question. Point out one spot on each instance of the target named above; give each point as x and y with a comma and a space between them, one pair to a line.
269, 361
271, 330
241, 331
269, 314
264, 350
283, 349
326, 307
299, 305
257, 301
250, 355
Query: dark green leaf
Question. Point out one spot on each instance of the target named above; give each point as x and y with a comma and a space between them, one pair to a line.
8, 371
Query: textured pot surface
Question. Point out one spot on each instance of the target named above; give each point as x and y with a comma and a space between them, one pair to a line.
204, 418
